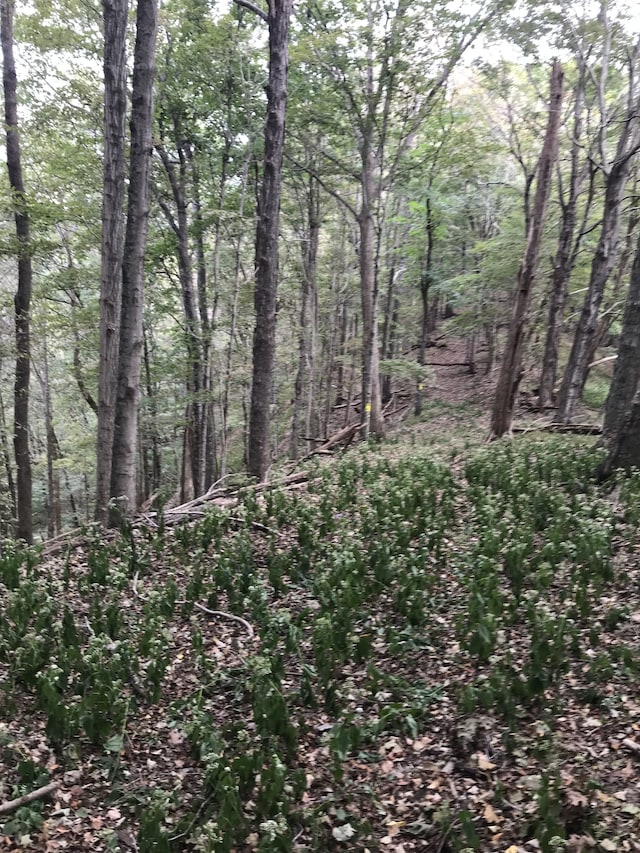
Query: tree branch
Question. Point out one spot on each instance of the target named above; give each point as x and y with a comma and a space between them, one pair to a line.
246, 4
38, 794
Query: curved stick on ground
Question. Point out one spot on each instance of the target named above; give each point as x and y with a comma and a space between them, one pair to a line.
38, 794
225, 615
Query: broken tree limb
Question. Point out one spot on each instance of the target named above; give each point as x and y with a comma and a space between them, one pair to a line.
576, 429
343, 436
32, 796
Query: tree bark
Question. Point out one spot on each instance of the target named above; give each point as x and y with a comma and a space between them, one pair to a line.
372, 417
114, 168
626, 374
566, 252
511, 368
267, 234
22, 301
123, 474
309, 283
6, 465
605, 257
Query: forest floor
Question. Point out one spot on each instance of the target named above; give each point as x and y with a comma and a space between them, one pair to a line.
426, 645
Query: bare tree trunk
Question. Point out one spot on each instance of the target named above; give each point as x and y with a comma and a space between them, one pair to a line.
567, 251
114, 167
6, 462
426, 278
511, 368
22, 301
154, 470
267, 234
54, 516
309, 283
224, 428
612, 302
604, 259
123, 472
372, 417
193, 332
626, 374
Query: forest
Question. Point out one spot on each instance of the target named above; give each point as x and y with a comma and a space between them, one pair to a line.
320, 426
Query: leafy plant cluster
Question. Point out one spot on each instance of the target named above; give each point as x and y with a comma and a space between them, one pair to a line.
346, 589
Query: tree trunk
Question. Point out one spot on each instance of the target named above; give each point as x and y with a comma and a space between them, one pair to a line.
6, 465
566, 253
114, 166
123, 474
22, 301
626, 374
305, 343
511, 368
605, 257
193, 330
426, 325
54, 515
372, 417
267, 233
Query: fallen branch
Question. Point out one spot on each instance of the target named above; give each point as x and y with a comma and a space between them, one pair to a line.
577, 429
221, 613
224, 615
343, 436
38, 794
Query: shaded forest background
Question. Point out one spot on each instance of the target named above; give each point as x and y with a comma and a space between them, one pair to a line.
411, 192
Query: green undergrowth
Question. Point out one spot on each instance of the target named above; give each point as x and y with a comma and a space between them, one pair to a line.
393, 598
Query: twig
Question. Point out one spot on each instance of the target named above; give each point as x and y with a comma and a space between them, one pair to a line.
38, 794
224, 615
602, 361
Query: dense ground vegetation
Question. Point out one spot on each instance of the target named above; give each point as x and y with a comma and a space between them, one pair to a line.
432, 649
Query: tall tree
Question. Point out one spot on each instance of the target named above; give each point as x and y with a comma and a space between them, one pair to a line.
615, 170
22, 300
568, 241
510, 372
621, 432
267, 236
123, 470
114, 168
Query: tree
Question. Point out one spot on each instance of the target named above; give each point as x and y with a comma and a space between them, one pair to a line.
615, 171
123, 251
123, 469
510, 372
267, 236
115, 112
22, 302
621, 430
568, 241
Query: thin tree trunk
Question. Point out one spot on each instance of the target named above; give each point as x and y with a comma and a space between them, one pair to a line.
511, 368
567, 251
6, 458
224, 428
114, 166
267, 234
372, 418
426, 279
309, 275
123, 473
54, 515
22, 301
